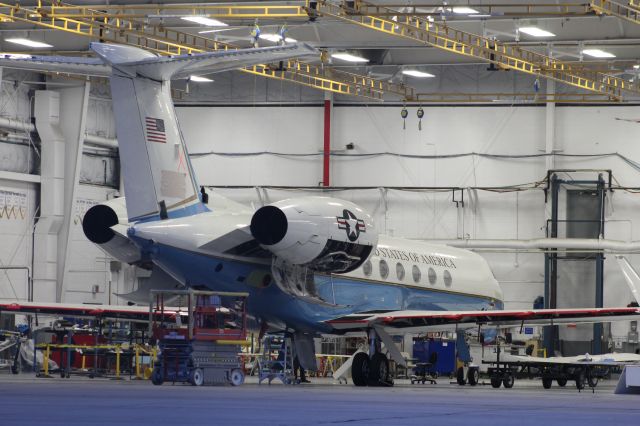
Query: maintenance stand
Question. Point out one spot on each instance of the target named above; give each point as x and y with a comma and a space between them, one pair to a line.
202, 345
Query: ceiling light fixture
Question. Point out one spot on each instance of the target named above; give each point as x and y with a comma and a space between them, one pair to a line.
349, 57
536, 32
27, 42
416, 73
199, 79
464, 11
597, 53
203, 20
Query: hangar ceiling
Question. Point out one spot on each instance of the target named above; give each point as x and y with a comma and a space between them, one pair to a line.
471, 51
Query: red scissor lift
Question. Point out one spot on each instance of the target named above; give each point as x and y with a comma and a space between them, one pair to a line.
202, 343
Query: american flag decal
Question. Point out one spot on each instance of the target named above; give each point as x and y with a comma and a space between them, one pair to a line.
155, 130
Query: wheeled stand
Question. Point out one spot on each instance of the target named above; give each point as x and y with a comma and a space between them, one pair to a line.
206, 350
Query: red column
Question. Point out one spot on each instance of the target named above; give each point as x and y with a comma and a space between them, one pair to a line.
327, 143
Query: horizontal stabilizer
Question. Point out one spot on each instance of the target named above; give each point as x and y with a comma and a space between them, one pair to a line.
94, 67
133, 61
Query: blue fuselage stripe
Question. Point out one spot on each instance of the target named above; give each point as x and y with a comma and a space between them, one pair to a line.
270, 303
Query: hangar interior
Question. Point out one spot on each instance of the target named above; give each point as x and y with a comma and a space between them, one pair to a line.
504, 109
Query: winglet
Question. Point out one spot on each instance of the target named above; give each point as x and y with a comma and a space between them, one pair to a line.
631, 276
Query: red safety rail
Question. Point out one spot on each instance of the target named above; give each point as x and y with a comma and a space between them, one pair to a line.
213, 322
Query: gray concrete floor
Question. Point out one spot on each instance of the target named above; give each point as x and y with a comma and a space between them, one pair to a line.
27, 400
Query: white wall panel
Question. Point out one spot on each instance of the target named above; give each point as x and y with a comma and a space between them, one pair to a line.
17, 207
89, 266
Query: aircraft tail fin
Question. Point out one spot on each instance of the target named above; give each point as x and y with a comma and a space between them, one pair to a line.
158, 177
631, 276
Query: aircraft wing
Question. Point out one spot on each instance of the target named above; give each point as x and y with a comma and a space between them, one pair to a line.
129, 313
420, 321
604, 359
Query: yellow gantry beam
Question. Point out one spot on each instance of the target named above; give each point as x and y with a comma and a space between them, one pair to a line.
285, 11
171, 42
512, 57
628, 12
139, 11
493, 9
531, 98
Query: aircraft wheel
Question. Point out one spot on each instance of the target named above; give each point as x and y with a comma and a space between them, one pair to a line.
580, 380
496, 382
546, 382
360, 369
196, 377
460, 376
379, 370
562, 382
592, 381
508, 381
156, 377
473, 376
236, 377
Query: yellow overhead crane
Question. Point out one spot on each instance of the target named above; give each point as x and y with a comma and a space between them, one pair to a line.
508, 56
300, 11
171, 42
515, 98
629, 12
143, 11
531, 9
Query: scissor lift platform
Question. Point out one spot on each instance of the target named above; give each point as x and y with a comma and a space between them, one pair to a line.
202, 344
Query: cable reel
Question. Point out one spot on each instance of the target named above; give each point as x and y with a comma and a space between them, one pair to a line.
404, 114
420, 114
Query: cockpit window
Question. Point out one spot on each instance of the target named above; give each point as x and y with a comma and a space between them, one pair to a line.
400, 271
367, 268
447, 278
415, 271
384, 269
432, 276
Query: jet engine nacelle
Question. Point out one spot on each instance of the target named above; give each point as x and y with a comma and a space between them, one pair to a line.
100, 225
325, 234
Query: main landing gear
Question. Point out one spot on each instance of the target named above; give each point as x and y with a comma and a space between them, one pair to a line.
372, 370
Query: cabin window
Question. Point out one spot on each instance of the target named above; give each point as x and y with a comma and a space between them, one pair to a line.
367, 268
447, 278
384, 269
400, 271
415, 271
432, 276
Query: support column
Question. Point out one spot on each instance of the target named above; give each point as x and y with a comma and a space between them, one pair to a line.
550, 333
599, 296
326, 164
550, 126
74, 104
60, 122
